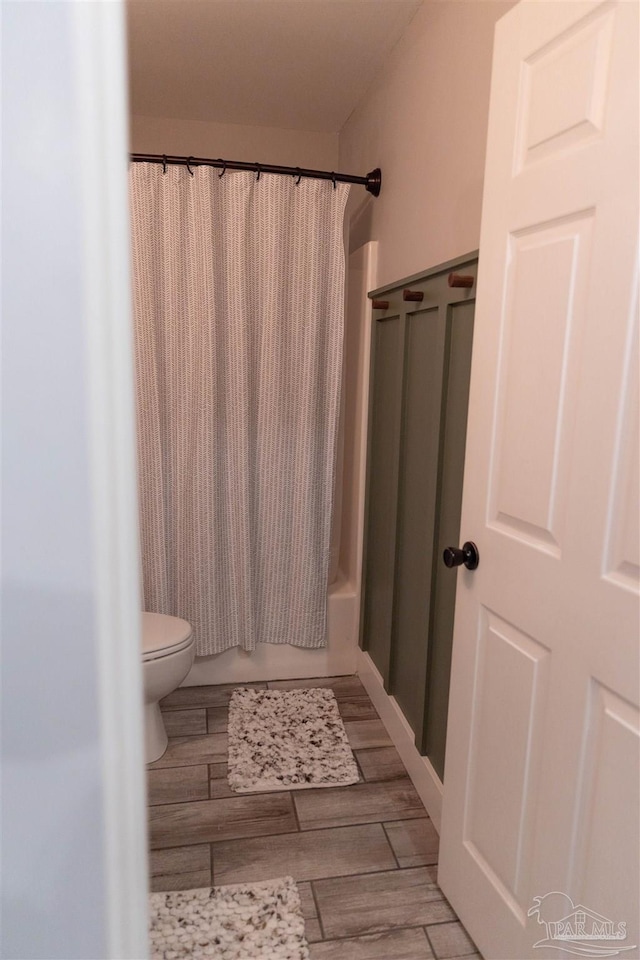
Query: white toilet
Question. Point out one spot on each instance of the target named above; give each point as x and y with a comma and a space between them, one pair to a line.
168, 650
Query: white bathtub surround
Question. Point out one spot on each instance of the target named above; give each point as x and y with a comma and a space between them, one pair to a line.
243, 921
272, 661
239, 315
287, 740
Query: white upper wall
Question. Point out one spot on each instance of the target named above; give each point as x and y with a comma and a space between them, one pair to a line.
234, 141
424, 122
296, 64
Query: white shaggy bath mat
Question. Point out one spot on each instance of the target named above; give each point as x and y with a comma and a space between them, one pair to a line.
242, 921
287, 740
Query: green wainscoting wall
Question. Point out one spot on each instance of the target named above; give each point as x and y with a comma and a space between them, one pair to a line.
419, 394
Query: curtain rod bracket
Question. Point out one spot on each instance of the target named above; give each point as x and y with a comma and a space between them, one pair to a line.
374, 182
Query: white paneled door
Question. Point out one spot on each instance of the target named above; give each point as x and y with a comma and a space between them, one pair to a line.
539, 845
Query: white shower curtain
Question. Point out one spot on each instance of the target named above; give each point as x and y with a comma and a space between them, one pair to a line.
238, 305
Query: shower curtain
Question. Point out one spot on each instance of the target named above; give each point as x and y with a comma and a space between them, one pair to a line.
238, 308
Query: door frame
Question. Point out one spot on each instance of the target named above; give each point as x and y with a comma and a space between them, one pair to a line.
101, 90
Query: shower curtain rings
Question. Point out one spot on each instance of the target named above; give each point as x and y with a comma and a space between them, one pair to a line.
299, 176
164, 163
258, 171
333, 179
189, 159
224, 168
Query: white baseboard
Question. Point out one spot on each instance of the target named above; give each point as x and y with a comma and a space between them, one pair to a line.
424, 777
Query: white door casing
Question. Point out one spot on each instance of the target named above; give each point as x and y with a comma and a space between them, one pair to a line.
541, 779
74, 844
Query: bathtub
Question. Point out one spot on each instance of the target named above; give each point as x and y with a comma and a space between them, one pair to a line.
271, 661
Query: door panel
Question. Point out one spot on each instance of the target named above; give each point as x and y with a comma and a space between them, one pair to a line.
565, 89
611, 751
512, 674
541, 790
622, 551
540, 346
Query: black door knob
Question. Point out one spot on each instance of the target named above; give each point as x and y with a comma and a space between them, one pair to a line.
455, 557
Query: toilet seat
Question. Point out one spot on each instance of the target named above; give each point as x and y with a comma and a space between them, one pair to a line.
163, 635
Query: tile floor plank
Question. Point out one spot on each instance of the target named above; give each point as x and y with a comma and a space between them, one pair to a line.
381, 763
307, 900
209, 695
357, 905
360, 803
365, 855
312, 930
219, 785
186, 751
364, 734
305, 856
219, 789
414, 842
401, 944
177, 784
349, 686
357, 708
217, 719
211, 820
186, 723
180, 868
450, 940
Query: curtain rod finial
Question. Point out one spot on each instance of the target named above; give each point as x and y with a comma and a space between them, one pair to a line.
374, 182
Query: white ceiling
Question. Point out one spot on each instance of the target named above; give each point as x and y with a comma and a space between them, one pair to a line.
296, 64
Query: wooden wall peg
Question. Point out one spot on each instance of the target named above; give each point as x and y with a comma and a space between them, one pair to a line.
457, 280
416, 295
380, 304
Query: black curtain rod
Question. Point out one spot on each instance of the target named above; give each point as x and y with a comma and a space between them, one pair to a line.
371, 182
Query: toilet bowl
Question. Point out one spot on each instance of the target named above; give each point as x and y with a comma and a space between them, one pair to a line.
168, 650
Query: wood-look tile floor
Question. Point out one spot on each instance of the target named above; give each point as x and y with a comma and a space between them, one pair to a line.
364, 856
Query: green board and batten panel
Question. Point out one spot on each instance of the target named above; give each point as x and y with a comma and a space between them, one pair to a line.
417, 490
443, 592
421, 355
385, 407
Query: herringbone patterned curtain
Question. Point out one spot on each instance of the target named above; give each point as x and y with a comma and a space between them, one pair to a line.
238, 304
